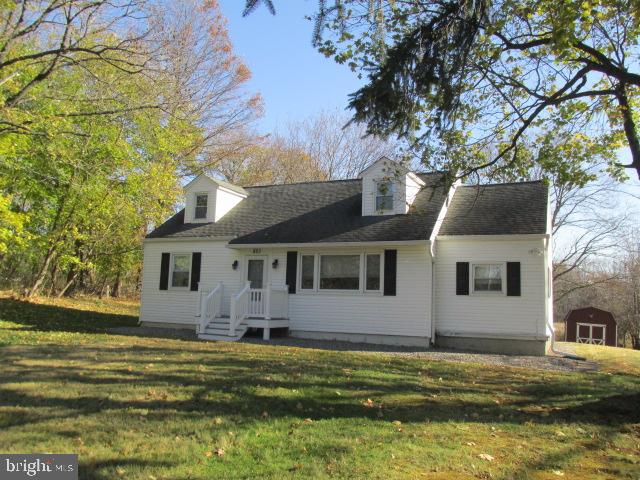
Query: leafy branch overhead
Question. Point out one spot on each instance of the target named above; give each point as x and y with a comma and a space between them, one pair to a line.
481, 77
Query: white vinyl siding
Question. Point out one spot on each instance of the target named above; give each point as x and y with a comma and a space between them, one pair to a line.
181, 305
486, 313
407, 313
405, 188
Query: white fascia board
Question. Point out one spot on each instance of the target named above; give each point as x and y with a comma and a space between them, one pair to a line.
186, 187
186, 239
416, 179
505, 237
328, 244
232, 192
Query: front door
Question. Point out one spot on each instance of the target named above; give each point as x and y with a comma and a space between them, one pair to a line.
256, 272
257, 277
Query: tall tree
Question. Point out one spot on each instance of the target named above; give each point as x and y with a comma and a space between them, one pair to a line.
325, 146
102, 150
482, 73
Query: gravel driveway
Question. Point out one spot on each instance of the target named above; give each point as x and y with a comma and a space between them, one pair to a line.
549, 362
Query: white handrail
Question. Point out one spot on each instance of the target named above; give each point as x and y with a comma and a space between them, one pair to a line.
238, 311
210, 307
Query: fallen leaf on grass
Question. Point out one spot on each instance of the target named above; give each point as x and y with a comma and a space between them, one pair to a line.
559, 473
369, 403
471, 444
486, 456
559, 433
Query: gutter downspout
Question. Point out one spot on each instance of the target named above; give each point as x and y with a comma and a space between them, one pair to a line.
433, 301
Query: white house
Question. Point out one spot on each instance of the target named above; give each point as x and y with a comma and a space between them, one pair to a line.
391, 257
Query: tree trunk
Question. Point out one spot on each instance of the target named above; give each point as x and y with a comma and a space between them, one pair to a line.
635, 341
117, 285
70, 281
42, 273
629, 127
53, 275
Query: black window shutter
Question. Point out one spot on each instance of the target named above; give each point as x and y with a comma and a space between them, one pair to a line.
164, 271
196, 258
513, 279
292, 270
462, 278
390, 272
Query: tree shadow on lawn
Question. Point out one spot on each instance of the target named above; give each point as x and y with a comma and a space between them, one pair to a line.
52, 318
246, 384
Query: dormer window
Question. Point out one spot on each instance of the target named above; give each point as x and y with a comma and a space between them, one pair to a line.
384, 196
202, 199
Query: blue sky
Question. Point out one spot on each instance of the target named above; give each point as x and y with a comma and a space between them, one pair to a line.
294, 80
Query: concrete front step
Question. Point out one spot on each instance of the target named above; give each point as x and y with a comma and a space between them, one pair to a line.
220, 338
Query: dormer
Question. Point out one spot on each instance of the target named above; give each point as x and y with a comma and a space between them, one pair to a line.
388, 188
208, 199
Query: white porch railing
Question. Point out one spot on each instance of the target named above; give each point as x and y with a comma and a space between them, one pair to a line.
239, 308
269, 302
278, 302
257, 304
210, 306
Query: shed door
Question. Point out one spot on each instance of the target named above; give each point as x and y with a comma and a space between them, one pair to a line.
597, 334
590, 333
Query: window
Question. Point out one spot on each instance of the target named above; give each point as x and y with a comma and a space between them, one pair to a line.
487, 277
307, 270
339, 272
384, 195
201, 205
372, 273
181, 270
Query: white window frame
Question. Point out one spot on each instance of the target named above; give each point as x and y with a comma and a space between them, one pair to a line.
316, 290
171, 267
503, 279
315, 271
195, 206
381, 273
392, 192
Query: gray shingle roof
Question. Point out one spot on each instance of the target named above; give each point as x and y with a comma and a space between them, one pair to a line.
499, 209
314, 212
318, 212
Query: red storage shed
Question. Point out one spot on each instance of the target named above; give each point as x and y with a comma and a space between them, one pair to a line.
591, 325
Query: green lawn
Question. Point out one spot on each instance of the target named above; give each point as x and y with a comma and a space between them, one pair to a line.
169, 409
